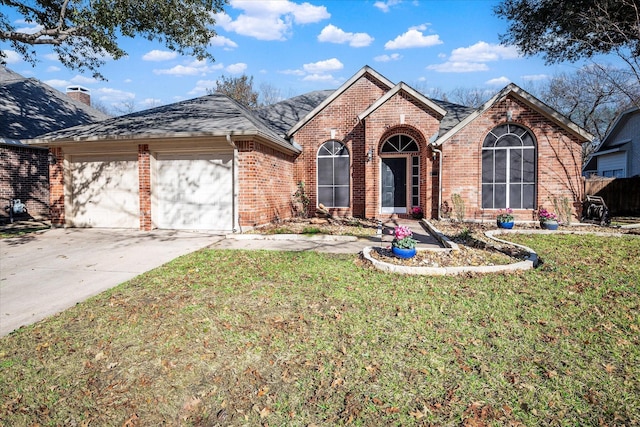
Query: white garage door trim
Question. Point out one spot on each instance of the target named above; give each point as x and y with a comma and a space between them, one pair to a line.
103, 191
193, 191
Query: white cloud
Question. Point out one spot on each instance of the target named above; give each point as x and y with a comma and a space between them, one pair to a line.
57, 83
112, 96
318, 78
386, 5
458, 67
195, 68
51, 56
151, 102
499, 81
238, 68
270, 20
53, 69
333, 34
223, 42
159, 55
11, 56
202, 86
414, 37
483, 52
78, 79
474, 58
29, 27
322, 67
387, 58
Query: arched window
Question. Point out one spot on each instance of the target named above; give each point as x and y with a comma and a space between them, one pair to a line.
509, 168
333, 175
399, 144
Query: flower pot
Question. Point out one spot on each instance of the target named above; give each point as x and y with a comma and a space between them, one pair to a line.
549, 225
403, 253
508, 225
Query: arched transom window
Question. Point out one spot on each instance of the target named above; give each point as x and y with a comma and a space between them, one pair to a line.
333, 175
400, 144
509, 168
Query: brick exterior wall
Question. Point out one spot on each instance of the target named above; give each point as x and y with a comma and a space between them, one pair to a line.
144, 186
386, 121
341, 116
266, 184
24, 175
558, 168
56, 188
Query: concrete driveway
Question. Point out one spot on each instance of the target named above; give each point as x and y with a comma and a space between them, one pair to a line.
47, 272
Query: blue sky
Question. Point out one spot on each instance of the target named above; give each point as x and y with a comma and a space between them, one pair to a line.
299, 46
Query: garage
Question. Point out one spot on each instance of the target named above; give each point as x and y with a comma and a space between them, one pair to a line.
105, 192
193, 191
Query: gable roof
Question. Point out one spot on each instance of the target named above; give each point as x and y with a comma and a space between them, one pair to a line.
29, 108
403, 87
608, 144
283, 115
346, 85
210, 115
530, 100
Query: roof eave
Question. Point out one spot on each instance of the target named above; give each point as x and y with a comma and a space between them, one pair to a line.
529, 100
408, 89
263, 137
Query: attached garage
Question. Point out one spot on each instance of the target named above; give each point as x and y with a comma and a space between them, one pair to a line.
193, 191
104, 191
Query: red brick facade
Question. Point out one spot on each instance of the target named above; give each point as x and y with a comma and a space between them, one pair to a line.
266, 184
558, 160
558, 150
24, 176
363, 115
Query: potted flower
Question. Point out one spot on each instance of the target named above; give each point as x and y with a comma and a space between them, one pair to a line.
548, 220
417, 213
403, 244
505, 218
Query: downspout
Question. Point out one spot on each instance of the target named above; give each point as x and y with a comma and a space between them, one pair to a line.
439, 152
235, 221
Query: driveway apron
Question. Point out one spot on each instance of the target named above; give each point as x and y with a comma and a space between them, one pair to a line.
45, 273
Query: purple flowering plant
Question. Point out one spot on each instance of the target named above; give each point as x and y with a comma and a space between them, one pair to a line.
505, 215
403, 238
417, 213
545, 215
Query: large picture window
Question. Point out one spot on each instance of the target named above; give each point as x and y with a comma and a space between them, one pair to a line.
333, 175
508, 168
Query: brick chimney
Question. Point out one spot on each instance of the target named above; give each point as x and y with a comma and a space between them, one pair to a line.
79, 93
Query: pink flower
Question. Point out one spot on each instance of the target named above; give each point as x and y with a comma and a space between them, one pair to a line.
402, 232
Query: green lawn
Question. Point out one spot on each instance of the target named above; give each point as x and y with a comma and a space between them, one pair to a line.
277, 338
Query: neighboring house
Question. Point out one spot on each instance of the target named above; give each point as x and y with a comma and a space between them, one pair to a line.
29, 108
618, 156
371, 149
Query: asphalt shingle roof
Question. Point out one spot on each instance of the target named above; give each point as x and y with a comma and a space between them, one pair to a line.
214, 114
29, 108
283, 115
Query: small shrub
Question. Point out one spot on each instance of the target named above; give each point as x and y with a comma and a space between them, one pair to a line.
458, 206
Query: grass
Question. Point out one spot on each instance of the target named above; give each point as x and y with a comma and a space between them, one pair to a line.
284, 338
20, 232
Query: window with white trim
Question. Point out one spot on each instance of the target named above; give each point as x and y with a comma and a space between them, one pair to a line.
333, 175
509, 168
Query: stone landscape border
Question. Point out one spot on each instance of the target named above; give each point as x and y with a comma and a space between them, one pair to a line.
527, 264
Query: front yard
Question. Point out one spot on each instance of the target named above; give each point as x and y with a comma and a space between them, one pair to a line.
283, 338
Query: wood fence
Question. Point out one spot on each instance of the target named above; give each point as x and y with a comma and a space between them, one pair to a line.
621, 195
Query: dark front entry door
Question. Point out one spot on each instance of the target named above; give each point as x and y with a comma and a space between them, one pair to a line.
394, 185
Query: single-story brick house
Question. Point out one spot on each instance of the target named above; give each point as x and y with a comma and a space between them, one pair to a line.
370, 149
29, 108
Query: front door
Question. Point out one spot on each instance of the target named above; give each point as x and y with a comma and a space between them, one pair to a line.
394, 185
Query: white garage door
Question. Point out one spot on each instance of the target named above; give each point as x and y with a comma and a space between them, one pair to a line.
104, 192
193, 191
